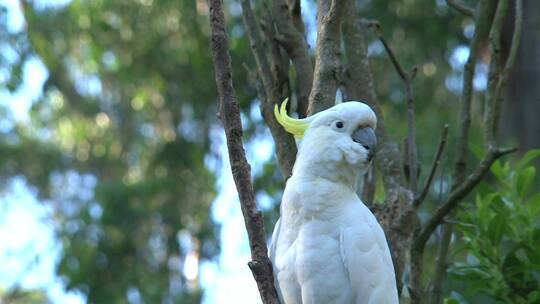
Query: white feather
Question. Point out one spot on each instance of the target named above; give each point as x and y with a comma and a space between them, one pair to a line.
327, 247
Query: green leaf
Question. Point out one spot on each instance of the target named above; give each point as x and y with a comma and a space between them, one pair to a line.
497, 170
477, 150
451, 301
482, 206
534, 204
497, 226
525, 180
528, 157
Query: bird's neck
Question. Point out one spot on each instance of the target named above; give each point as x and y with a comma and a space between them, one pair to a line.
313, 166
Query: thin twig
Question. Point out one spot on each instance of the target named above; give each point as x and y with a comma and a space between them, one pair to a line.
460, 7
256, 43
460, 192
458, 223
422, 235
260, 266
482, 24
407, 78
461, 185
436, 161
399, 69
441, 264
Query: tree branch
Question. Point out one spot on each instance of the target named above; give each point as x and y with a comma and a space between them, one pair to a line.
436, 161
501, 85
459, 193
461, 185
407, 78
397, 214
460, 7
272, 83
260, 265
293, 41
494, 75
482, 24
441, 263
360, 86
327, 59
359, 79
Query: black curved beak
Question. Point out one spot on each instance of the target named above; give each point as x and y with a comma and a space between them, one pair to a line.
366, 137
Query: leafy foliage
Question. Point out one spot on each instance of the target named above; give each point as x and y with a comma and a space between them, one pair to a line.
119, 138
500, 236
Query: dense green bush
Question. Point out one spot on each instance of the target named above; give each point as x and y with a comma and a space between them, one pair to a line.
500, 236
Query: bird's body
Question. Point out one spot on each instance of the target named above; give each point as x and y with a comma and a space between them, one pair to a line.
327, 246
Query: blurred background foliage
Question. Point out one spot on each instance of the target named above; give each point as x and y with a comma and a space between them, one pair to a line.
123, 140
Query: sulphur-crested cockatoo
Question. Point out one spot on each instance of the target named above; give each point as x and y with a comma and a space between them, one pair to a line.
327, 247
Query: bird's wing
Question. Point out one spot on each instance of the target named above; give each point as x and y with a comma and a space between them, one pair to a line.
367, 259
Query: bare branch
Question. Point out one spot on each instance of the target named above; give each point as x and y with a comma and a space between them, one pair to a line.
411, 133
272, 83
482, 24
460, 7
359, 86
494, 75
399, 69
436, 161
459, 193
441, 263
288, 20
407, 78
461, 185
501, 85
327, 60
256, 43
260, 265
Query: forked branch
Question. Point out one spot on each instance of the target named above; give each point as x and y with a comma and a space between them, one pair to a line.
407, 78
460, 192
267, 67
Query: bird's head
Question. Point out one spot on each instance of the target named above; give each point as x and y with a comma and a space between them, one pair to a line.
339, 138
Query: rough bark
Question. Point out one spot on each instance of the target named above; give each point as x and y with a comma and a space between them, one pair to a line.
327, 56
260, 265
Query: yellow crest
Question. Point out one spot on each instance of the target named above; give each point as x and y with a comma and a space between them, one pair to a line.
295, 126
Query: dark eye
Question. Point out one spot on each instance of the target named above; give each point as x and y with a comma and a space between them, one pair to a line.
339, 124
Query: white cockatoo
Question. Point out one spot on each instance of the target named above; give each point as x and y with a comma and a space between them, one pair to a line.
327, 246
